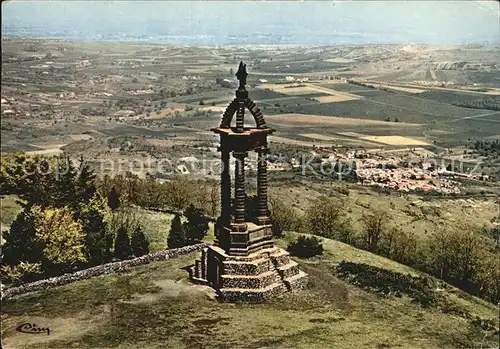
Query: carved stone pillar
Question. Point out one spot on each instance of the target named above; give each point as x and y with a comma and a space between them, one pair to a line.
239, 187
225, 189
263, 212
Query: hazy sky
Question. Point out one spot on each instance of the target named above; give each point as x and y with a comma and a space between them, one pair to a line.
434, 22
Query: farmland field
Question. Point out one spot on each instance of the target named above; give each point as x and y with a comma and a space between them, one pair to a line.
318, 136
394, 140
263, 94
451, 97
298, 67
371, 93
335, 98
321, 120
345, 87
426, 107
362, 109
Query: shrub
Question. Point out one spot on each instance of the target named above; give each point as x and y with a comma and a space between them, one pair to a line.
179, 193
305, 247
139, 242
20, 273
455, 256
375, 225
282, 217
113, 199
327, 217
196, 226
176, 237
400, 246
60, 238
122, 244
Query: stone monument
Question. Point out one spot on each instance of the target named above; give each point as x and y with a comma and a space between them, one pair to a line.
243, 263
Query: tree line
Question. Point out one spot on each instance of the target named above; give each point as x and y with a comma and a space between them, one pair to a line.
65, 223
487, 148
491, 103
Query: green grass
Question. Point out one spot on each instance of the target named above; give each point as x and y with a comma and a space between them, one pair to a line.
154, 306
8, 210
157, 228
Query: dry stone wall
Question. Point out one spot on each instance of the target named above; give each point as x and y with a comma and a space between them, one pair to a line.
105, 269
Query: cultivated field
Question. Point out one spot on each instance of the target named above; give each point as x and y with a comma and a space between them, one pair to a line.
315, 120
394, 140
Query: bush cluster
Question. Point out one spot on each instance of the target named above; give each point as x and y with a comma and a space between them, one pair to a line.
305, 247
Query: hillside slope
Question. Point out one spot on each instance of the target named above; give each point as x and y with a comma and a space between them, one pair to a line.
154, 306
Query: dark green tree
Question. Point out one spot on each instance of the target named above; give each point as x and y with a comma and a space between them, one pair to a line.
85, 186
196, 226
20, 241
176, 237
98, 237
38, 186
113, 199
65, 183
122, 244
139, 242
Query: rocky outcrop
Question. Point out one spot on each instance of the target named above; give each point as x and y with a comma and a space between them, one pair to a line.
104, 269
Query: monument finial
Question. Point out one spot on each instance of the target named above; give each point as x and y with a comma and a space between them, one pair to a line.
242, 74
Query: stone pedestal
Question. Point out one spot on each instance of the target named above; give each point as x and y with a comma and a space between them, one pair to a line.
260, 275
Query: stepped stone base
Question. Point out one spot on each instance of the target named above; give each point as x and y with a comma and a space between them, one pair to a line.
255, 277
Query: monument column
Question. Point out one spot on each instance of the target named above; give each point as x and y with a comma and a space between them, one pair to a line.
263, 212
239, 188
225, 188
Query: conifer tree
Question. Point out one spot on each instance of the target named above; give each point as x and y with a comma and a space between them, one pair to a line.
139, 242
65, 183
20, 241
196, 226
113, 199
122, 244
39, 184
177, 237
98, 237
85, 183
